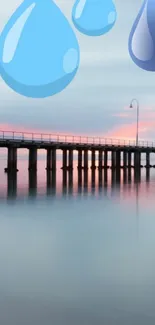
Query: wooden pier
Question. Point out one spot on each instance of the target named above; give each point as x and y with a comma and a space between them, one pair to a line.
124, 154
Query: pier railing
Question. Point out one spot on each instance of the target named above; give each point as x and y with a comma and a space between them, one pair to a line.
72, 139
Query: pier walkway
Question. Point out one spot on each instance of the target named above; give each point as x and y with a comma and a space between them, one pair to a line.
124, 153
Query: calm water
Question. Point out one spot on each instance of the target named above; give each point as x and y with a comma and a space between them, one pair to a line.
79, 255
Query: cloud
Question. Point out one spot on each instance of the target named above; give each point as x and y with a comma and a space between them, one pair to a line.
107, 79
128, 131
125, 131
101, 58
145, 114
122, 115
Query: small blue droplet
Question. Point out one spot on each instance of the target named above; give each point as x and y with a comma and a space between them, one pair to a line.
142, 37
94, 17
39, 52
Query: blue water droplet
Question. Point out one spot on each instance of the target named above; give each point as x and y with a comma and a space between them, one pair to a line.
39, 52
94, 17
142, 37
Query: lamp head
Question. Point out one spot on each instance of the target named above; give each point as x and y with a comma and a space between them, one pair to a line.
131, 105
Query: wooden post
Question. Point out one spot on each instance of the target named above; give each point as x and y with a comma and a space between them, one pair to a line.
129, 159
79, 158
118, 159
113, 159
105, 158
33, 159
93, 159
100, 158
64, 158
70, 159
11, 160
85, 159
147, 159
124, 159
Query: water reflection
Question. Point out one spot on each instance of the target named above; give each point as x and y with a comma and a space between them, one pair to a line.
137, 175
82, 252
70, 180
32, 183
12, 184
100, 177
147, 174
64, 181
125, 175
84, 181
129, 175
51, 182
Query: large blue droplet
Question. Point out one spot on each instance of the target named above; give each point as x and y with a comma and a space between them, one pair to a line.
142, 37
39, 52
94, 17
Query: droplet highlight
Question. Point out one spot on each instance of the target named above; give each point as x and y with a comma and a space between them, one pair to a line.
94, 17
39, 52
142, 37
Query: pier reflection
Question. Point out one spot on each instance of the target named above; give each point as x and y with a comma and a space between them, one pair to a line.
11, 185
147, 174
78, 182
137, 175
70, 181
100, 177
64, 181
32, 183
125, 175
93, 180
51, 182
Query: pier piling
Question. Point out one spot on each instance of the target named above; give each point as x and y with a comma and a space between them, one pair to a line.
118, 159
100, 158
64, 159
113, 159
32, 159
105, 158
80, 159
124, 159
85, 159
129, 159
70, 159
147, 159
12, 160
93, 159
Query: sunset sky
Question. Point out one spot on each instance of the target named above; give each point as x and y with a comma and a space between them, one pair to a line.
96, 102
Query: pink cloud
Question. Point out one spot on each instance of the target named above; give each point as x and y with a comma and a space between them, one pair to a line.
128, 131
122, 115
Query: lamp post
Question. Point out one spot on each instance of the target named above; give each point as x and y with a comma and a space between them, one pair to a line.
134, 100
